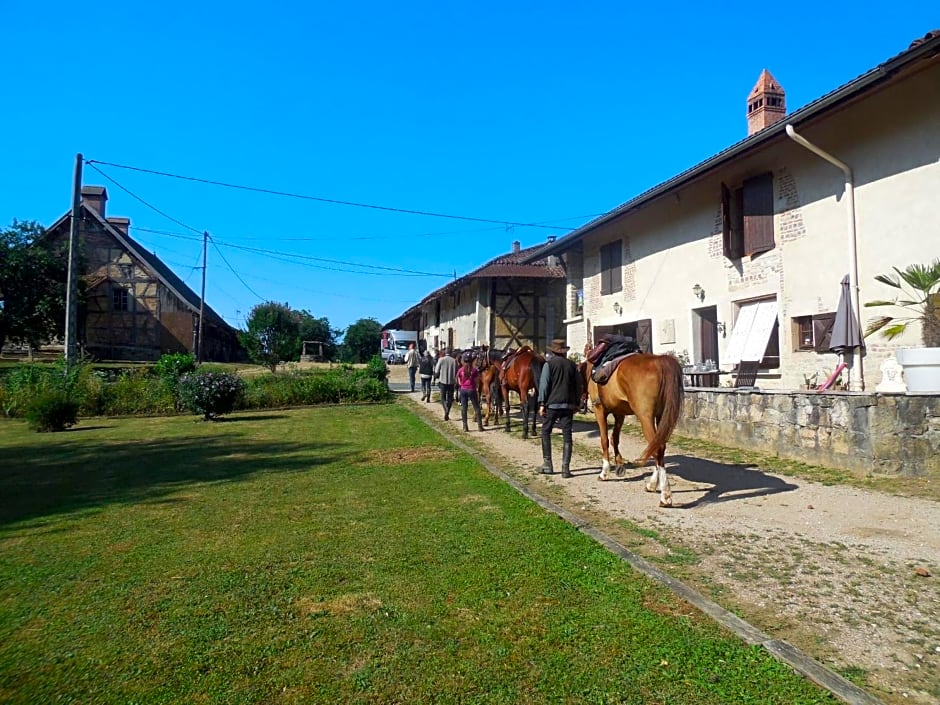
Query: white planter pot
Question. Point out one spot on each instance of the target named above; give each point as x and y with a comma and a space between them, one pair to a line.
921, 368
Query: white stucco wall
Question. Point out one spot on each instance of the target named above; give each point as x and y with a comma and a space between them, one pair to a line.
892, 142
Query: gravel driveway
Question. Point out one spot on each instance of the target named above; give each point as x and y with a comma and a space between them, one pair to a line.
848, 575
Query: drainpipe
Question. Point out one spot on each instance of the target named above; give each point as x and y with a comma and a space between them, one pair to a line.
853, 247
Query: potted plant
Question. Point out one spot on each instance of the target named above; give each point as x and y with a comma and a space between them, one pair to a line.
919, 298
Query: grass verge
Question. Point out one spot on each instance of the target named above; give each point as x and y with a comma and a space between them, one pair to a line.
324, 555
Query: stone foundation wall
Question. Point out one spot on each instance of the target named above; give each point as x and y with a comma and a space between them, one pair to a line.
864, 433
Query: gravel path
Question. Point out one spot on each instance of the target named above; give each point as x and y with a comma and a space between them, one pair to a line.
836, 571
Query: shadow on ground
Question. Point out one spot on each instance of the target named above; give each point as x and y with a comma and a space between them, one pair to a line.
87, 472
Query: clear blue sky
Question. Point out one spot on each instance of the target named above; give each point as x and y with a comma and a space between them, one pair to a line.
515, 112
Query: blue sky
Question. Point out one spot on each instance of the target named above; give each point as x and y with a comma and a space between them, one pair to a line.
524, 113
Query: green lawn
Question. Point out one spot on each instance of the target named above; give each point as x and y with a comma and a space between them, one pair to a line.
342, 555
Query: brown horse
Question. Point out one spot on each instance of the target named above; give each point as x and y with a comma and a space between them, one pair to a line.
651, 388
521, 375
491, 392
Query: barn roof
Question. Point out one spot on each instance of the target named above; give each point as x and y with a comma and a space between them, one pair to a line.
518, 264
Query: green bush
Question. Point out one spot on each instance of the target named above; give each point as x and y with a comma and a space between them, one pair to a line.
171, 367
377, 369
209, 393
343, 385
51, 410
138, 392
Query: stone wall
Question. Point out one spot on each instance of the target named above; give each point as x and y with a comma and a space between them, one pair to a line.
864, 433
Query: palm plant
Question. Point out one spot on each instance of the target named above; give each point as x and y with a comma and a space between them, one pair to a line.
921, 297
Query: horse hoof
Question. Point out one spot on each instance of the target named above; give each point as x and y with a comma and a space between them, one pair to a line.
665, 505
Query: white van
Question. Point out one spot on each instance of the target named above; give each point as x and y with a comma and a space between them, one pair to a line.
395, 344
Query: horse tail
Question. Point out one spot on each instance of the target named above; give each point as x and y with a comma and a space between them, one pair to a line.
671, 396
536, 367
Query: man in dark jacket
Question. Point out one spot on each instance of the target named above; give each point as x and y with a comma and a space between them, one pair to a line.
559, 396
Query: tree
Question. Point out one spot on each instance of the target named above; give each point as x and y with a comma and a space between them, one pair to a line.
362, 340
272, 334
311, 328
33, 274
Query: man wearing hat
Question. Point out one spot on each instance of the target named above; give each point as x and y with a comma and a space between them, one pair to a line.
559, 396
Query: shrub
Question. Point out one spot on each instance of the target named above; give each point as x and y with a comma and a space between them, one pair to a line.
210, 393
51, 410
377, 369
138, 392
171, 367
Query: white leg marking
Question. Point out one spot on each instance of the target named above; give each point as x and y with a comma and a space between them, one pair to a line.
605, 470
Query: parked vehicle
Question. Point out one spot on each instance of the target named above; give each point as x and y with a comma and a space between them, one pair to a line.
395, 344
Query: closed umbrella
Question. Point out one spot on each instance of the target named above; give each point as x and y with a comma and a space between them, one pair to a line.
846, 334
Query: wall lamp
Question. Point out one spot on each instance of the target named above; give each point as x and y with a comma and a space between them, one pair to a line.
698, 292
618, 309
721, 328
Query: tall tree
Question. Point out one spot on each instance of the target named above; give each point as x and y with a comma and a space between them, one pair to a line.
317, 329
32, 285
362, 340
272, 334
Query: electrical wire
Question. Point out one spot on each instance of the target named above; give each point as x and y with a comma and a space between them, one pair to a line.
134, 195
273, 192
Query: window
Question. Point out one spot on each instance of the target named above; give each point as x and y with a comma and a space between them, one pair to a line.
813, 332
120, 299
611, 263
756, 334
579, 302
747, 215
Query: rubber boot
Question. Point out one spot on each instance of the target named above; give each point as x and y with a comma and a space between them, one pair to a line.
566, 459
547, 467
463, 417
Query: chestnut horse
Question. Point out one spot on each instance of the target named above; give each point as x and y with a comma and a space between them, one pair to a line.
490, 390
521, 375
651, 388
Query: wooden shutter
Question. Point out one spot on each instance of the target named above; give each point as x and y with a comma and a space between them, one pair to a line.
822, 331
758, 205
644, 335
726, 221
611, 263
616, 264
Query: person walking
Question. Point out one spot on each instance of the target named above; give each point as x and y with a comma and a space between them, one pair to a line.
445, 372
411, 362
467, 377
559, 396
425, 372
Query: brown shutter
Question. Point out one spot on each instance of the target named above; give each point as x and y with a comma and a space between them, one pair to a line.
822, 331
758, 204
726, 221
644, 335
616, 274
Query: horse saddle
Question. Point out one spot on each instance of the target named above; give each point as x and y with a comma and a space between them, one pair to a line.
603, 372
508, 358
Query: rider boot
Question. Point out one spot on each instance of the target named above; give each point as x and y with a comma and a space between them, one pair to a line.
566, 459
463, 417
480, 423
547, 467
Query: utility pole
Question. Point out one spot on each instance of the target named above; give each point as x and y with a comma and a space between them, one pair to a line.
71, 287
202, 296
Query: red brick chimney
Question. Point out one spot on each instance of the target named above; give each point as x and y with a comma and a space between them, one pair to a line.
95, 197
515, 246
766, 104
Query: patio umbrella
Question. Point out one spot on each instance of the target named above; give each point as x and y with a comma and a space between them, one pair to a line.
846, 334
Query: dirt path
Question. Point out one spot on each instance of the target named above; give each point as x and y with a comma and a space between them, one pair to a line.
833, 570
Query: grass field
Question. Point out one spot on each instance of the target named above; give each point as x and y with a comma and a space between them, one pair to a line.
343, 555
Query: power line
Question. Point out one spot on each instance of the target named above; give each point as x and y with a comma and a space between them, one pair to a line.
232, 270
290, 255
408, 211
134, 195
